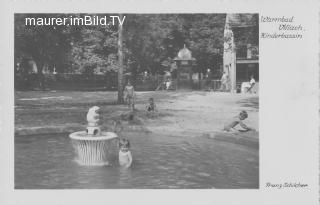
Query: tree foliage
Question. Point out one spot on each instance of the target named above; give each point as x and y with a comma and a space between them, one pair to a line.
150, 43
43, 44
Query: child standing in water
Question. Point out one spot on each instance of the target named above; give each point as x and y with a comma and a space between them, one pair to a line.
125, 157
237, 120
129, 95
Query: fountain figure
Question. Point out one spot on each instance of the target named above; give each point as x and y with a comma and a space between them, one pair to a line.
93, 145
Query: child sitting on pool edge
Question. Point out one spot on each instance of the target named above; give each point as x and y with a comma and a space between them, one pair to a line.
237, 120
125, 157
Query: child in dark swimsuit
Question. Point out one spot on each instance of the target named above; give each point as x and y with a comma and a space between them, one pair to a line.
151, 107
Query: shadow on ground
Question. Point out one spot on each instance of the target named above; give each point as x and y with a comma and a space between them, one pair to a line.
252, 102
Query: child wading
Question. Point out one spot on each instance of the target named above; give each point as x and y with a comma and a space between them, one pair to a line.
129, 95
151, 108
125, 157
237, 120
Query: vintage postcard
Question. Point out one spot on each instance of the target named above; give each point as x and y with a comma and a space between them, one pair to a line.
160, 102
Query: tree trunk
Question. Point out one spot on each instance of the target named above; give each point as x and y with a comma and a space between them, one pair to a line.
120, 59
39, 74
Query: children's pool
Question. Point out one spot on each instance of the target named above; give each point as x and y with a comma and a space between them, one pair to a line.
159, 162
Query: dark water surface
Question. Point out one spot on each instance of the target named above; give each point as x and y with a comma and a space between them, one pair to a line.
47, 162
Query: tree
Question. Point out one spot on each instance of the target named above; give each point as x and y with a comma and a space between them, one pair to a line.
153, 41
205, 40
94, 51
149, 42
120, 59
43, 44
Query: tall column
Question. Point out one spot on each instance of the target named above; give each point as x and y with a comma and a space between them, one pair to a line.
229, 55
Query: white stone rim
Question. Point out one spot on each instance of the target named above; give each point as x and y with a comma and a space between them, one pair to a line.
102, 136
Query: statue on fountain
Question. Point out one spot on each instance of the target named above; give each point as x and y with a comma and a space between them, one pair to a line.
93, 118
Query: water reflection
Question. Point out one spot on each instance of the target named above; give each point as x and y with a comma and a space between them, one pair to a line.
125, 175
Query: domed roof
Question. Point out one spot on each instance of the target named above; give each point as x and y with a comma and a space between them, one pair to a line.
185, 54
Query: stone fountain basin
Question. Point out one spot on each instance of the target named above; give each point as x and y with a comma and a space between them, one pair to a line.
93, 150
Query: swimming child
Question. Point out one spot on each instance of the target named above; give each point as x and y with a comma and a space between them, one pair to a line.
125, 157
237, 120
129, 95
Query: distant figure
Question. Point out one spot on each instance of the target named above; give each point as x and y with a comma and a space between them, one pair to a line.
208, 81
224, 82
246, 87
125, 157
237, 120
252, 83
129, 95
168, 84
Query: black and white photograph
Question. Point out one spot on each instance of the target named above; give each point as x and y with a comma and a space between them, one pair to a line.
159, 102
136, 101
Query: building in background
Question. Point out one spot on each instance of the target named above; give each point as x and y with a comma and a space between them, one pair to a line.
241, 49
185, 63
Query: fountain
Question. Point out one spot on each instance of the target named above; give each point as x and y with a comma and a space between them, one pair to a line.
93, 146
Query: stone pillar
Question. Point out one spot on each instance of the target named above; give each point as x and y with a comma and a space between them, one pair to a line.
229, 55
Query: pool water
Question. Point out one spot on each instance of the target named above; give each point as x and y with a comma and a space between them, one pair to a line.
159, 162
